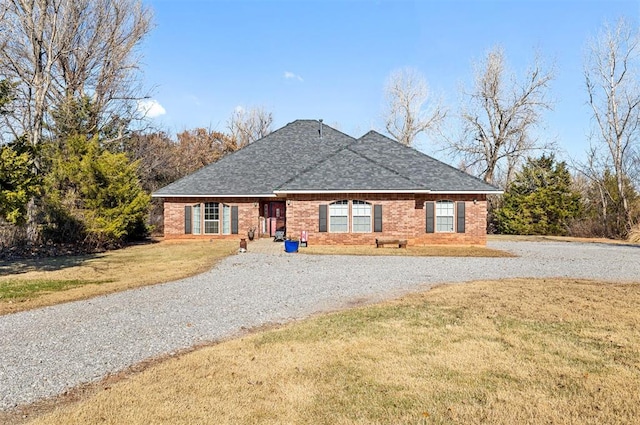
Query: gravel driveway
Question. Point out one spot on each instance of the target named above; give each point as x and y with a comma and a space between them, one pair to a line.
47, 351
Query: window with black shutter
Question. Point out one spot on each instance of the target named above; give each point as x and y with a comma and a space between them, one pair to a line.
322, 218
377, 218
234, 220
187, 220
460, 215
430, 209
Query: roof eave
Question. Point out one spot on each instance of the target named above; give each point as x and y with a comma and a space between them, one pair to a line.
310, 192
438, 192
213, 195
279, 193
467, 192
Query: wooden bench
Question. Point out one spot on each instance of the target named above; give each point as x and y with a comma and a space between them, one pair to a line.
402, 243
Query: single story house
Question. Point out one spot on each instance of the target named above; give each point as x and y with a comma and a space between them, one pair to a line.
307, 176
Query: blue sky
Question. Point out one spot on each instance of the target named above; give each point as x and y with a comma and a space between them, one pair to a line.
330, 59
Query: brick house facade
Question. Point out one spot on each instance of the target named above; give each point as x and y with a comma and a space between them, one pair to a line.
403, 217
338, 189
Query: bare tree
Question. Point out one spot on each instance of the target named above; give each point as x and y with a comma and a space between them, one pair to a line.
157, 156
248, 125
199, 147
500, 116
408, 110
56, 50
612, 75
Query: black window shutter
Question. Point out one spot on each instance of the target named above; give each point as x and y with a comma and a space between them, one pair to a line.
460, 217
234, 220
322, 224
377, 218
187, 219
430, 207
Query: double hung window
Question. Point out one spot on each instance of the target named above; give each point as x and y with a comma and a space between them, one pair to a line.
211, 218
339, 216
445, 213
361, 216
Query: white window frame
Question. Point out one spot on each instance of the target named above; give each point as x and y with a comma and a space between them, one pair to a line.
196, 219
212, 209
361, 209
445, 209
339, 209
225, 218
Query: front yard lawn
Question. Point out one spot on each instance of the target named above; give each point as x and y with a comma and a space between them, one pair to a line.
36, 283
498, 352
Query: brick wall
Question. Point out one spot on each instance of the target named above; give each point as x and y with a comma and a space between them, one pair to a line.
174, 216
475, 222
403, 217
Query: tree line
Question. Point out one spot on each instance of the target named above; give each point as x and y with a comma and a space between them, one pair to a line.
495, 134
77, 165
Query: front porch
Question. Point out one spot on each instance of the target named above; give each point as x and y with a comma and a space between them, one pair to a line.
273, 217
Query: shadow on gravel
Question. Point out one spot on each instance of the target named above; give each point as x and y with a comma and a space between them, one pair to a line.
18, 266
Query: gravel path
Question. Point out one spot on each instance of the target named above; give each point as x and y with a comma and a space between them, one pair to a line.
47, 351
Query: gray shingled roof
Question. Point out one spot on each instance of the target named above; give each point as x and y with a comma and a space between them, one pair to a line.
349, 171
424, 171
295, 159
264, 165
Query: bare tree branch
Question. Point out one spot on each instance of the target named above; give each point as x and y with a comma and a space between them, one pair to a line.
248, 125
499, 118
408, 111
56, 50
612, 77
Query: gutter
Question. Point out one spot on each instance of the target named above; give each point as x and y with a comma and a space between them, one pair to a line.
284, 193
425, 191
212, 195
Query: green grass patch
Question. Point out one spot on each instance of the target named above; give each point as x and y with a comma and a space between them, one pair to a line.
17, 290
48, 281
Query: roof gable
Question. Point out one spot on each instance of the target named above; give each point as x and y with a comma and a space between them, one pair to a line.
424, 171
350, 172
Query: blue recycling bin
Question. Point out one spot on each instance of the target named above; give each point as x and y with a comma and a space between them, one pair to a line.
291, 246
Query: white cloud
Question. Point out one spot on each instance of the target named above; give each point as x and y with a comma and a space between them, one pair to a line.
291, 76
239, 109
150, 108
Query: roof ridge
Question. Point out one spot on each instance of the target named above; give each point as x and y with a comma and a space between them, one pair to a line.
430, 157
347, 147
381, 165
316, 164
321, 161
372, 131
339, 131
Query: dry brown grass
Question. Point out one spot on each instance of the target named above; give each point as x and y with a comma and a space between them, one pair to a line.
507, 352
414, 251
544, 238
634, 235
109, 272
